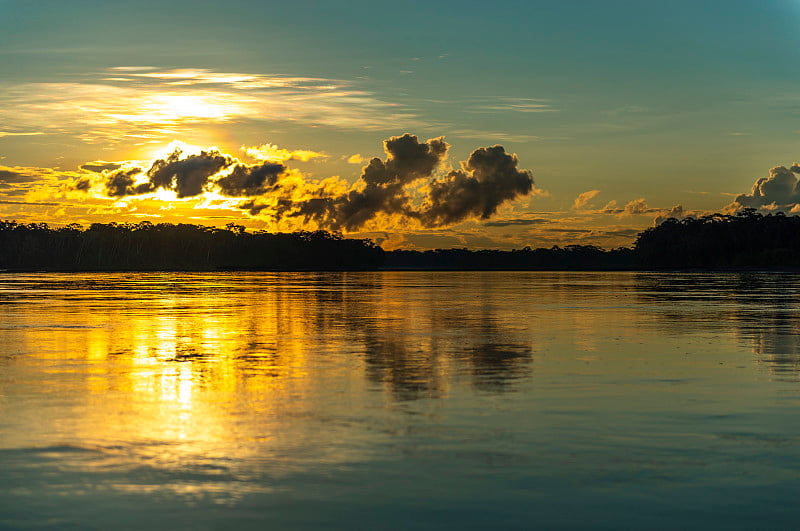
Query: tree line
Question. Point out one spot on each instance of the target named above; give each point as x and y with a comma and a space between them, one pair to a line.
747, 240
151, 247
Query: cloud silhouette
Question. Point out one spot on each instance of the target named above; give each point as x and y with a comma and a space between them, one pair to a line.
187, 176
247, 180
120, 183
489, 178
404, 184
381, 187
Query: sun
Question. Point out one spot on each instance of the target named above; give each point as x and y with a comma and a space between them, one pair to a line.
177, 108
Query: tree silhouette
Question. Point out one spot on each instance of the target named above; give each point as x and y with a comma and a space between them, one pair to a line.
164, 246
745, 240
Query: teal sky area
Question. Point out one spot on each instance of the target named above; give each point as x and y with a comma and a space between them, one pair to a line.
645, 105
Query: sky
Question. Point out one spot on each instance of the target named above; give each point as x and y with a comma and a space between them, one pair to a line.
383, 119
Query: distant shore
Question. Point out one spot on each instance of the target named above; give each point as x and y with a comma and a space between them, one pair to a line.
744, 242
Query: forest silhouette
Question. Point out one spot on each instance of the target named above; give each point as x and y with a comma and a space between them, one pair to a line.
152, 247
746, 240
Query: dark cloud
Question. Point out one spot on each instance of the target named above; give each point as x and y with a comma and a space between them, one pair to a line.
120, 183
100, 166
15, 192
83, 184
387, 186
383, 185
9, 176
489, 178
408, 160
619, 232
570, 231
187, 176
511, 222
247, 180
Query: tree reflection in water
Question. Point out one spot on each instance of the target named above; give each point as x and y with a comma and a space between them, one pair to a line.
763, 309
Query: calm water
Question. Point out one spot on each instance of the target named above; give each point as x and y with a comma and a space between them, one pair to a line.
399, 400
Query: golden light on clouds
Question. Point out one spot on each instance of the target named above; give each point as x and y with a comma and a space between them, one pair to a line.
140, 105
273, 153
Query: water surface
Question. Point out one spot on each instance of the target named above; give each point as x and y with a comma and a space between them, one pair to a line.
399, 400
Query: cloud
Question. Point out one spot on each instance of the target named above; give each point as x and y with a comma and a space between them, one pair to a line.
29, 203
611, 208
187, 176
273, 153
583, 199
191, 175
24, 175
355, 159
382, 185
636, 207
9, 133
777, 192
403, 186
250, 180
516, 105
11, 176
120, 183
489, 178
147, 104
100, 166
676, 212
516, 222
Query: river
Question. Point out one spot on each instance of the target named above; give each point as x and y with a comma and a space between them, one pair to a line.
399, 400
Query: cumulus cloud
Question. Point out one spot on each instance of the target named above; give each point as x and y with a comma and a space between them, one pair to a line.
583, 199
611, 208
676, 212
187, 176
406, 185
636, 207
489, 178
777, 192
382, 186
120, 183
250, 180
639, 207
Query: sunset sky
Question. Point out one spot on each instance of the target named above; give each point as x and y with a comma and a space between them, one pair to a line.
267, 114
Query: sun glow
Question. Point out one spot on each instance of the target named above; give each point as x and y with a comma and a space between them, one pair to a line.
170, 109
182, 107
166, 150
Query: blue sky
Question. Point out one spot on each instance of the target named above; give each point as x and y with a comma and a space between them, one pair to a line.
666, 103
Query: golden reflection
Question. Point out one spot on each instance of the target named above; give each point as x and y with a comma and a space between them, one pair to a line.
224, 366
